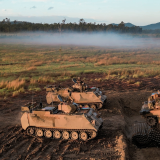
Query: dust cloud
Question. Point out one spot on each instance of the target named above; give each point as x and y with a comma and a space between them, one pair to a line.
81, 39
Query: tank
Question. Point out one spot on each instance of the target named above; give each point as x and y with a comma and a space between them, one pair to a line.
151, 109
146, 133
80, 93
65, 121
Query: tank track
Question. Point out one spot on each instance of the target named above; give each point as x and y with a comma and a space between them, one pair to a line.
90, 133
155, 135
97, 106
143, 135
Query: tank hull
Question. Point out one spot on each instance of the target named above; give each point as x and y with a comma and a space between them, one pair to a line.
80, 124
83, 98
46, 120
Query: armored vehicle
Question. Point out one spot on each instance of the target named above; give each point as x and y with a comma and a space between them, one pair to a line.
148, 132
65, 121
151, 109
80, 94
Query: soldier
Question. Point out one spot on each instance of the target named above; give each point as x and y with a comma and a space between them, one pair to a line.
79, 85
79, 80
82, 86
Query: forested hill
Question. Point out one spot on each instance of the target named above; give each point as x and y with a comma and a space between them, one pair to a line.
16, 26
154, 26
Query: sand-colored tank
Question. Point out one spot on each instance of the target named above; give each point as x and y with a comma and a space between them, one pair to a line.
144, 134
88, 97
66, 121
151, 109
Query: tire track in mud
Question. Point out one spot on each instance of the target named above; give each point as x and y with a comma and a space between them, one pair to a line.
18, 145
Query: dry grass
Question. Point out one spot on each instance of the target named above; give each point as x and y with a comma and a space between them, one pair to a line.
70, 65
33, 81
130, 74
33, 88
31, 68
3, 84
38, 63
16, 93
45, 79
113, 60
156, 62
15, 84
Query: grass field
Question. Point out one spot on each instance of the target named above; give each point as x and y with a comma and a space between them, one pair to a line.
45, 63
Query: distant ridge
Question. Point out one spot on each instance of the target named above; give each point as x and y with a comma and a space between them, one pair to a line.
151, 26
147, 27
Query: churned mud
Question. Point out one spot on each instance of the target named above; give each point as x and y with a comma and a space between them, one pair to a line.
119, 114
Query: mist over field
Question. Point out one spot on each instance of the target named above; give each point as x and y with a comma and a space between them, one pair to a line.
81, 39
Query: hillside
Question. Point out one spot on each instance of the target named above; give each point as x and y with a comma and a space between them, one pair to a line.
147, 27
151, 26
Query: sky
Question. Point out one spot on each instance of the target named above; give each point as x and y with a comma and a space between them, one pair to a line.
138, 12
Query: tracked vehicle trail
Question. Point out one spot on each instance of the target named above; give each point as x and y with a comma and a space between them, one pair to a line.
119, 113
21, 146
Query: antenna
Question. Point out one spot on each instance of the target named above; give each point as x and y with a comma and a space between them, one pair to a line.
51, 97
40, 102
32, 102
32, 98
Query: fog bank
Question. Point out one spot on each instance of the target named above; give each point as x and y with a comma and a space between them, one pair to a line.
80, 39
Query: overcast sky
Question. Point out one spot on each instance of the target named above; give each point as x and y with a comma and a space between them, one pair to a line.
138, 12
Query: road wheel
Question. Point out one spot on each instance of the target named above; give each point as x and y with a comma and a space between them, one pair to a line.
39, 132
74, 135
57, 135
151, 121
83, 136
100, 105
48, 134
65, 135
30, 131
93, 106
94, 134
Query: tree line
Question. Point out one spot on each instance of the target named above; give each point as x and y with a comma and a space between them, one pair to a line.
7, 26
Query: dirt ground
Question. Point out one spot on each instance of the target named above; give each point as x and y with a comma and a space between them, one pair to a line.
121, 110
